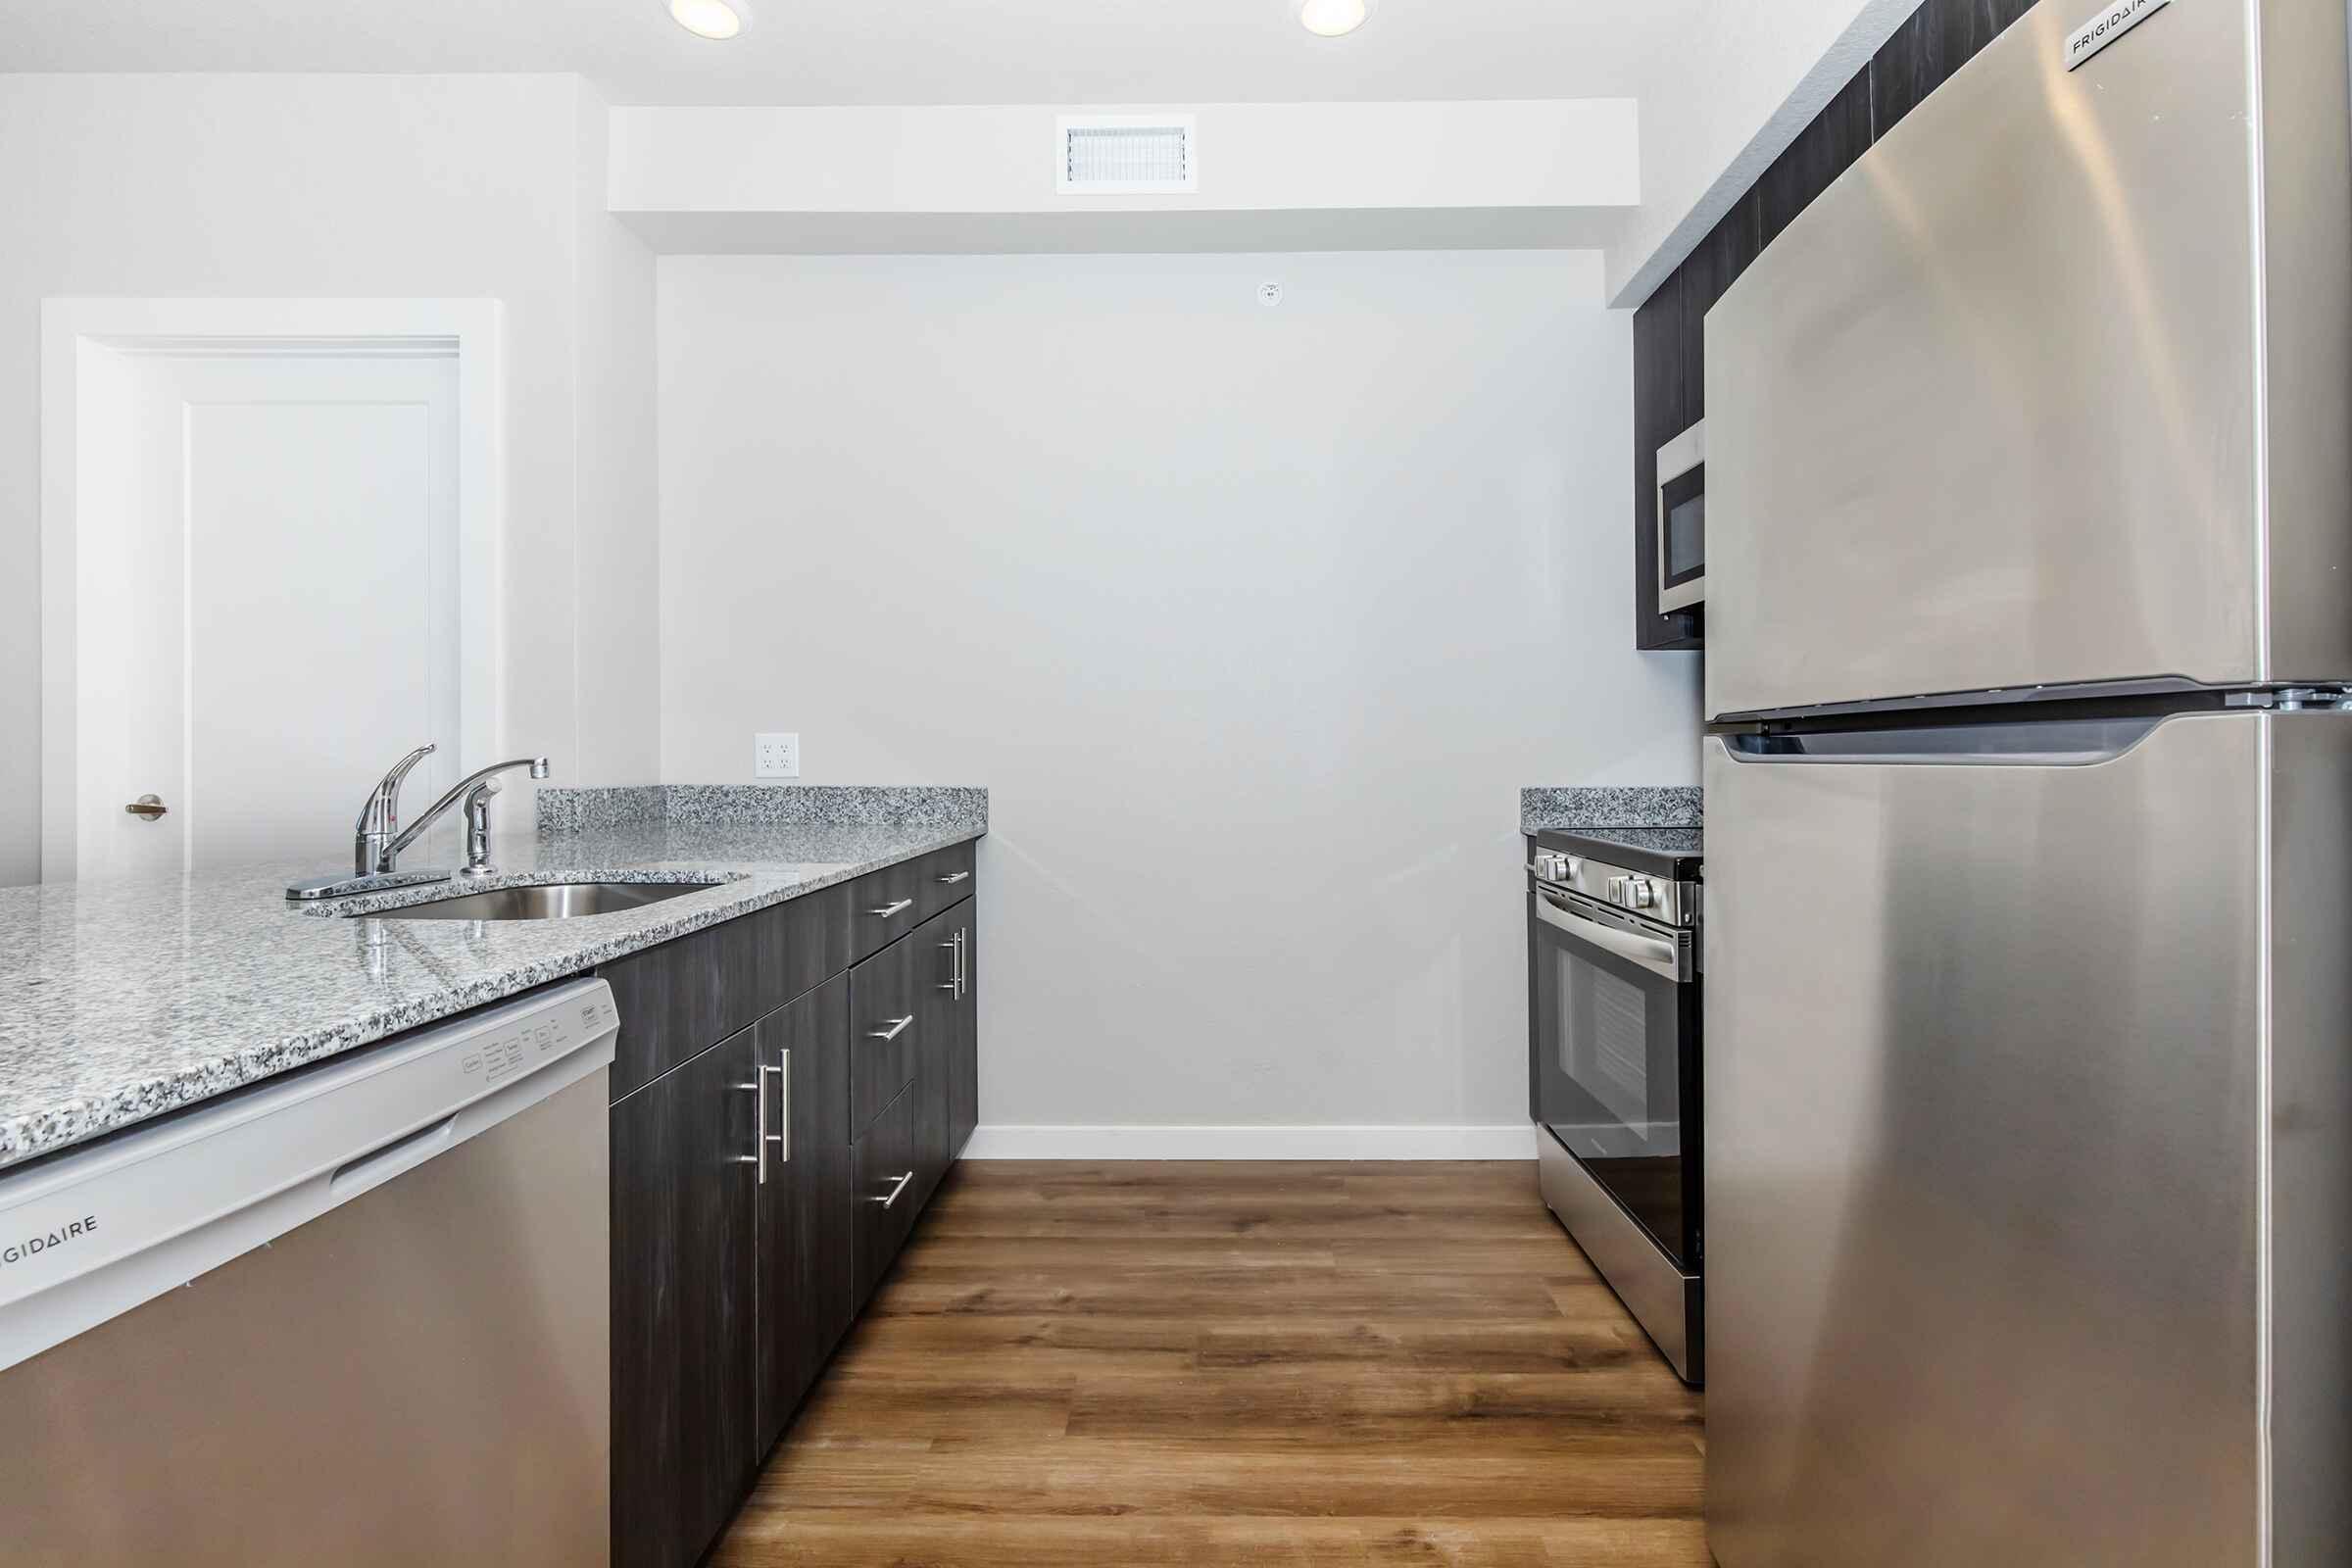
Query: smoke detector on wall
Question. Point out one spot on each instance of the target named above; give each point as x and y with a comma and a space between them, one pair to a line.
1125, 154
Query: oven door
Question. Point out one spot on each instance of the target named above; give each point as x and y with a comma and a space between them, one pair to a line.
1615, 1004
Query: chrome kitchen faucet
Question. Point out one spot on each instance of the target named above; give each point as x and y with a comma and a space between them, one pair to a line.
377, 839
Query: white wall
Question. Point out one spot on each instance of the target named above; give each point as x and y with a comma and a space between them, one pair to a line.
432, 186
1252, 621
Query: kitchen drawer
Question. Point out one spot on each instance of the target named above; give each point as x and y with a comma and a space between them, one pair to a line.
885, 905
943, 878
682, 998
889, 1175
887, 1019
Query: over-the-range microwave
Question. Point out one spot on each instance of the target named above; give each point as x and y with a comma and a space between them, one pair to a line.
1682, 520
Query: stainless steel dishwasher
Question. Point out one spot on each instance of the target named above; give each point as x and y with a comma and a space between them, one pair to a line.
358, 1314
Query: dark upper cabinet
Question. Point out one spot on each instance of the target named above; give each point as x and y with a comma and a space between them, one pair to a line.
684, 1196
1658, 407
1822, 151
1711, 268
806, 1268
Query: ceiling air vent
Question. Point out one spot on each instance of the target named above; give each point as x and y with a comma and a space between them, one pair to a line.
1125, 154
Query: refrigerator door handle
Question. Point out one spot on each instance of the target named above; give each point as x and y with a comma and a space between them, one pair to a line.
2039, 743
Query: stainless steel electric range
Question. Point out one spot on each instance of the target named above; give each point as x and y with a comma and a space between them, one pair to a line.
1613, 1076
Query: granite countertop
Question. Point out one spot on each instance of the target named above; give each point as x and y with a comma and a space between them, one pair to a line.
122, 1000
1584, 807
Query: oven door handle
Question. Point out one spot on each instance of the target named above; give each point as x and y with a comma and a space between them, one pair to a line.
1658, 958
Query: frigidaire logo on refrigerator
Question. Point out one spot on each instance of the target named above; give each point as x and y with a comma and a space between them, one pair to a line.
2107, 27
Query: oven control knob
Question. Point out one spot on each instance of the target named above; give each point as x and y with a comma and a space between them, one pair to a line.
1615, 892
1550, 867
1639, 893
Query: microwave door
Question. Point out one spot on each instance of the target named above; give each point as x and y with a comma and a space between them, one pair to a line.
1682, 520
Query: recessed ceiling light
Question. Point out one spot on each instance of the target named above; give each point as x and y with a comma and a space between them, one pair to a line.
710, 19
1328, 19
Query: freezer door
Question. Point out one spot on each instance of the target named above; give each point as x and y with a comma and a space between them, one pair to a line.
1992, 413
1985, 1057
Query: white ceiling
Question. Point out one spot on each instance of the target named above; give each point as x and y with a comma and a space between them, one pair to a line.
895, 51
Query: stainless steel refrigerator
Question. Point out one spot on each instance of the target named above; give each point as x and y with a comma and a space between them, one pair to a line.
2029, 920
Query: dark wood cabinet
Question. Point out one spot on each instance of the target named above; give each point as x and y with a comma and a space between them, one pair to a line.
679, 997
963, 1082
763, 1184
1714, 266
889, 1019
806, 1268
683, 1298
1659, 404
888, 1161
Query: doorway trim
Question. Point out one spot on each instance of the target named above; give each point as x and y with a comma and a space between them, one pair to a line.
74, 327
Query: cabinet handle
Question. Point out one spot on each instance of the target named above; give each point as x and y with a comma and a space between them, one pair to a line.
963, 962
890, 909
765, 1137
896, 1189
759, 1154
953, 984
898, 1027
954, 877
782, 1135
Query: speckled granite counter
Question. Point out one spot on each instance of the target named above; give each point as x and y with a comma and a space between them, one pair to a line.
1609, 805
122, 1000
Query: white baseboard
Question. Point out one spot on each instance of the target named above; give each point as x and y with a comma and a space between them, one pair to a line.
1508, 1141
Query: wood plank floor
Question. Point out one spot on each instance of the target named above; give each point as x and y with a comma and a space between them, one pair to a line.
1308, 1364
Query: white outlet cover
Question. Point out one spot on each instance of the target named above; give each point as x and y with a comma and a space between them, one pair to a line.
775, 756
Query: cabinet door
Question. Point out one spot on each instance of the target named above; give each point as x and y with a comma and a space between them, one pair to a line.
684, 1222
963, 1084
806, 1266
888, 1020
935, 969
884, 1197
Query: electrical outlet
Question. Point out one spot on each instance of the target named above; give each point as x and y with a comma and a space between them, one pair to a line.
775, 756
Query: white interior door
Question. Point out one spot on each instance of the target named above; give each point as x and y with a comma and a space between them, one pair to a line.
267, 595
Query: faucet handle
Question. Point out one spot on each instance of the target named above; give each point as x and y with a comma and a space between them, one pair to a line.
378, 814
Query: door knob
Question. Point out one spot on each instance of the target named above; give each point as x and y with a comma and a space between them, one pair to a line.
147, 806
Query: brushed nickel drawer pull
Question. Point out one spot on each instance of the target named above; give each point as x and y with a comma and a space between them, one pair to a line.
782, 1135
898, 1027
888, 910
896, 1187
954, 877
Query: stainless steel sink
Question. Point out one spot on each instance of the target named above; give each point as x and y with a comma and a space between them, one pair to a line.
555, 901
